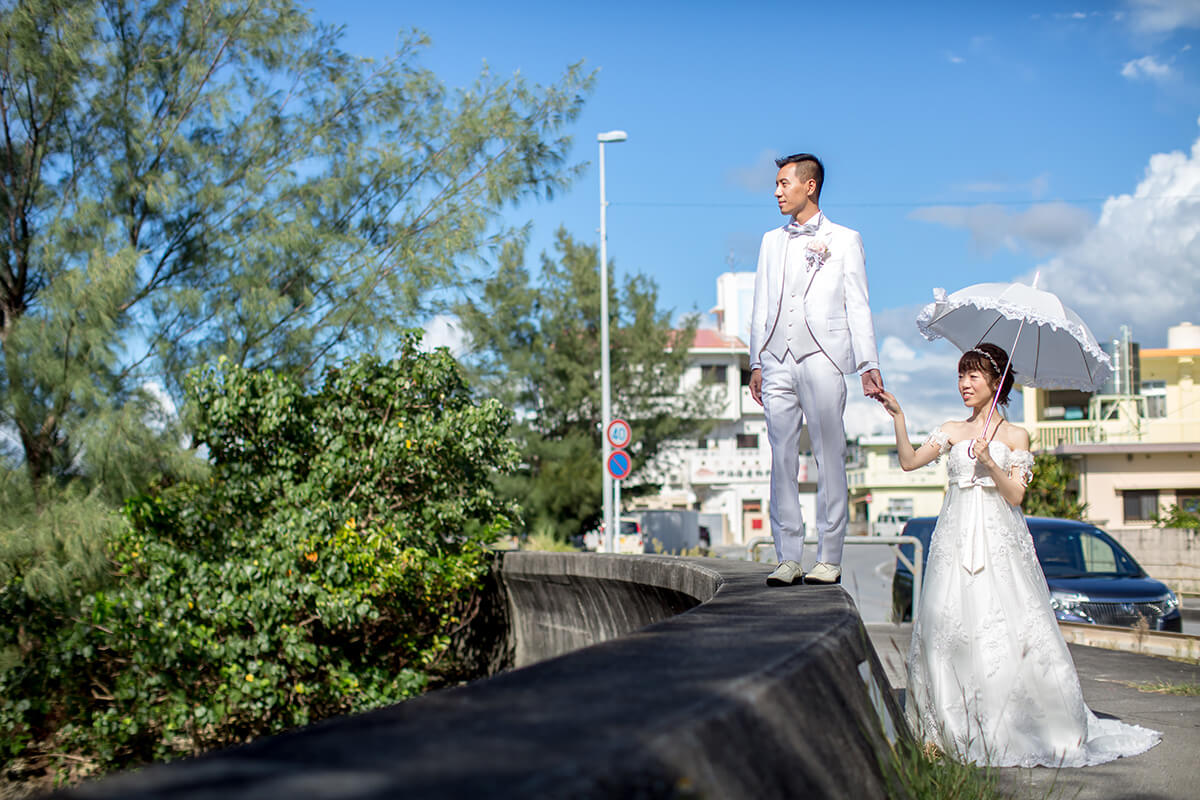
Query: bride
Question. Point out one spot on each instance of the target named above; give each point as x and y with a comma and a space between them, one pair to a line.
990, 679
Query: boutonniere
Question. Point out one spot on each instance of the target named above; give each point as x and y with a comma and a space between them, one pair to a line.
815, 253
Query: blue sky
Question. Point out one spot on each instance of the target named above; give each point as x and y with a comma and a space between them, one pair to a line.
967, 142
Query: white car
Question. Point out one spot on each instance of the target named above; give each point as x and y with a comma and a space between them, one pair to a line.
629, 540
888, 524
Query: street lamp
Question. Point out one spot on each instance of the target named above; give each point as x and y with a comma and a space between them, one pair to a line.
610, 531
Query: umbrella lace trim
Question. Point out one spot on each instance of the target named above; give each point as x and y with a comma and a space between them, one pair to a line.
941, 306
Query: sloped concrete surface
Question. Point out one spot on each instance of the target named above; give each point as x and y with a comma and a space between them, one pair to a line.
752, 692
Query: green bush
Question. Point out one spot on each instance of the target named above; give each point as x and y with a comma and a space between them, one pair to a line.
320, 568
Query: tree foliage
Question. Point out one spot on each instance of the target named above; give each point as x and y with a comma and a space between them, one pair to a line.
1049, 494
183, 180
1184, 516
320, 569
536, 348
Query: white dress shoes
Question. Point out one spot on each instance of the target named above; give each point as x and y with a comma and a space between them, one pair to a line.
824, 573
786, 574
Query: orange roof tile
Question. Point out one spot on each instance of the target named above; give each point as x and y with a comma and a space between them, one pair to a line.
710, 339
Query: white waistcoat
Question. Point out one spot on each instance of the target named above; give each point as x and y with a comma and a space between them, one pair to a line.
791, 333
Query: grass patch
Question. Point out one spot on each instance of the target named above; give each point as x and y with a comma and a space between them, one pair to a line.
1166, 687
543, 540
924, 772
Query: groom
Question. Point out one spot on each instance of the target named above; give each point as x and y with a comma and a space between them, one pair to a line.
811, 324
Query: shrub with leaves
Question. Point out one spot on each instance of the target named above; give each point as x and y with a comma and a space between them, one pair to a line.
1049, 494
321, 568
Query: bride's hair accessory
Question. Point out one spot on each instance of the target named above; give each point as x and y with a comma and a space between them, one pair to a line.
990, 358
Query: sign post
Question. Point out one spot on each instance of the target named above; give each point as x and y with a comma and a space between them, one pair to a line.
617, 466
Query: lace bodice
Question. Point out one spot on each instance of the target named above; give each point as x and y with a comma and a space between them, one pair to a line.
965, 471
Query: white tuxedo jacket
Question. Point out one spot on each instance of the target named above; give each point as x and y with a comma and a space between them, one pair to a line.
836, 306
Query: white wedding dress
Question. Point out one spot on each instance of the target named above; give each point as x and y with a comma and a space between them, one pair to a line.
990, 679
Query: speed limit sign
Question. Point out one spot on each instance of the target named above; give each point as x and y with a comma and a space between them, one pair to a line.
618, 433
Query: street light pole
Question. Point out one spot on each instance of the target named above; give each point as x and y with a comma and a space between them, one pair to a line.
610, 531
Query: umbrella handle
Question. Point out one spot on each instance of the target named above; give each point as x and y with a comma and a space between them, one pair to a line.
1007, 367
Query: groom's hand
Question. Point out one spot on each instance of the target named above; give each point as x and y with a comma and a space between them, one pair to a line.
756, 385
872, 383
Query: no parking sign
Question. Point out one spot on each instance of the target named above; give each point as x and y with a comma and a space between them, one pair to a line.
619, 464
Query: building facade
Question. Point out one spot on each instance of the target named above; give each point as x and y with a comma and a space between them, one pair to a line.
882, 495
1135, 444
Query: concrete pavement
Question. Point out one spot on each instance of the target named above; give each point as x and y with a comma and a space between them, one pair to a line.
1168, 770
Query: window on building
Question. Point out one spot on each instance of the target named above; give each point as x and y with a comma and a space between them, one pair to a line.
746, 377
712, 374
893, 459
1188, 500
1155, 393
702, 443
1140, 506
747, 441
1065, 404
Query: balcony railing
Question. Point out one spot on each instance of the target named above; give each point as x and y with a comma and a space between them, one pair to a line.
752, 467
878, 478
1049, 435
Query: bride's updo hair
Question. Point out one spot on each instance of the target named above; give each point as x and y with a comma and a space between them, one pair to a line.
991, 361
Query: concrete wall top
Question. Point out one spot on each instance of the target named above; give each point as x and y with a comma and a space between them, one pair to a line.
752, 692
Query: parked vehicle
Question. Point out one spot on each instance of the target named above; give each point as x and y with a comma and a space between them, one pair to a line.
671, 530
629, 537
888, 524
1092, 578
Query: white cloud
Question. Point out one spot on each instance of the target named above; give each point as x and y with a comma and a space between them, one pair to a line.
894, 351
1041, 227
444, 330
953, 59
1140, 264
1164, 16
1146, 67
757, 177
1036, 187
165, 406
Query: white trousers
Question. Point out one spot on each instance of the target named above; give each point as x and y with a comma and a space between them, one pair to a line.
813, 390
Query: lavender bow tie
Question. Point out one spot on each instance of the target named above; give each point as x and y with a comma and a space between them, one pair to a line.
797, 229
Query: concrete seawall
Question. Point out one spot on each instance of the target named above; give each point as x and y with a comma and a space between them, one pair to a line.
693, 680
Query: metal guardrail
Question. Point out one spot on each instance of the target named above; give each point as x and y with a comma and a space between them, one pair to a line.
916, 566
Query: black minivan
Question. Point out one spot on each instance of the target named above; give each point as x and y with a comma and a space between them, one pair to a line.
1092, 578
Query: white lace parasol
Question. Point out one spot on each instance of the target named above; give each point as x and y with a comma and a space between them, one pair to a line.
1054, 348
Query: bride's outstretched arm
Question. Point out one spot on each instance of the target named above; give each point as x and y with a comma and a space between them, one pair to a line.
910, 459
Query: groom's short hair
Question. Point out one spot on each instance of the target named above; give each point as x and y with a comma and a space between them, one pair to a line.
807, 166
